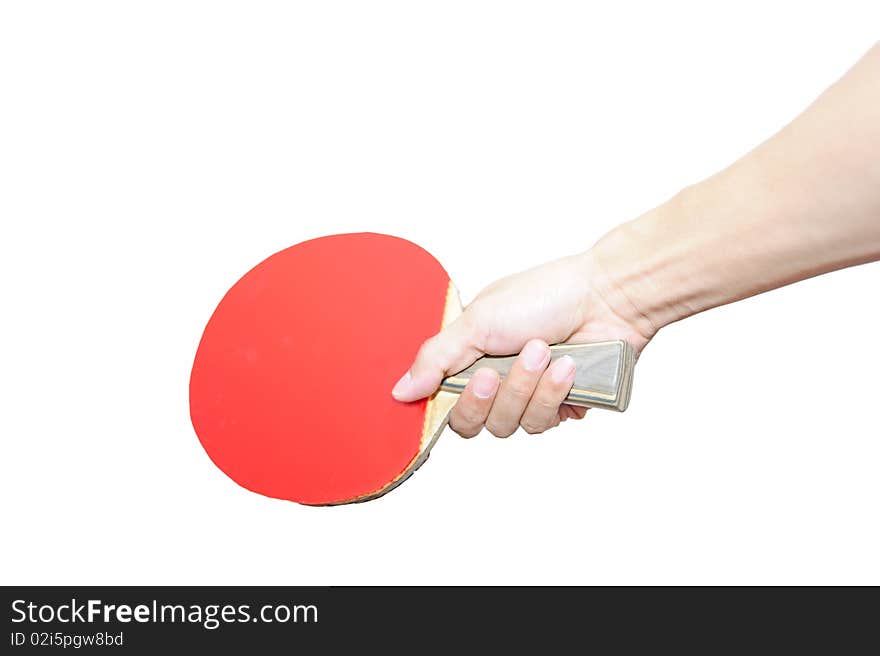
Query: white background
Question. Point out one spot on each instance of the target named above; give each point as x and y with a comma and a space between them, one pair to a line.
150, 153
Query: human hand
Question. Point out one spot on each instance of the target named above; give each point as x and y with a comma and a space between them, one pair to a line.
803, 203
567, 300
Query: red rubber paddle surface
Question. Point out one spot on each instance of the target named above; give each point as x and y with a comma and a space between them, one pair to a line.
290, 393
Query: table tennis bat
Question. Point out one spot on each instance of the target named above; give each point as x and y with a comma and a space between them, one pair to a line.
290, 392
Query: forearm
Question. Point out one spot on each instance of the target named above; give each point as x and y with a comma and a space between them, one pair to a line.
805, 202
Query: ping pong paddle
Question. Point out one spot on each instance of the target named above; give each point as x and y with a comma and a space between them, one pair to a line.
290, 392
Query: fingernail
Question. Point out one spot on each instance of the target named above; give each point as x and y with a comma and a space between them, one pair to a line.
562, 370
535, 355
484, 384
402, 386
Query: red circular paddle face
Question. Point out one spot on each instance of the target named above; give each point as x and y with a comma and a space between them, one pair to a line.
290, 391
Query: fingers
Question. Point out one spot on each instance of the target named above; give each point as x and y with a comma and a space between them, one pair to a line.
470, 412
572, 412
532, 394
544, 410
447, 352
517, 388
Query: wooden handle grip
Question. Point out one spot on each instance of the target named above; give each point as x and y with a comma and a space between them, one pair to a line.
603, 373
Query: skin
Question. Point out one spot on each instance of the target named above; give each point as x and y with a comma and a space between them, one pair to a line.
803, 203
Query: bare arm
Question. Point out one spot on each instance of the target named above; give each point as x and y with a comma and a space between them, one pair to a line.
805, 202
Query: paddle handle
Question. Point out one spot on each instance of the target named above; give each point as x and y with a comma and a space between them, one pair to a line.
603, 373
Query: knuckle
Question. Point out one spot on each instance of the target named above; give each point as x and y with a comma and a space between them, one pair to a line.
429, 347
475, 326
546, 402
518, 389
532, 427
500, 430
470, 319
468, 416
466, 433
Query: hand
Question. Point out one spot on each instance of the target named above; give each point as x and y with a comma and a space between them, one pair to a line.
567, 300
804, 202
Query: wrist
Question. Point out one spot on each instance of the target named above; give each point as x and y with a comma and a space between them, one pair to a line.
721, 240
648, 270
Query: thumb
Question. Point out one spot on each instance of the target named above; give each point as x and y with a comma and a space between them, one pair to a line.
447, 352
